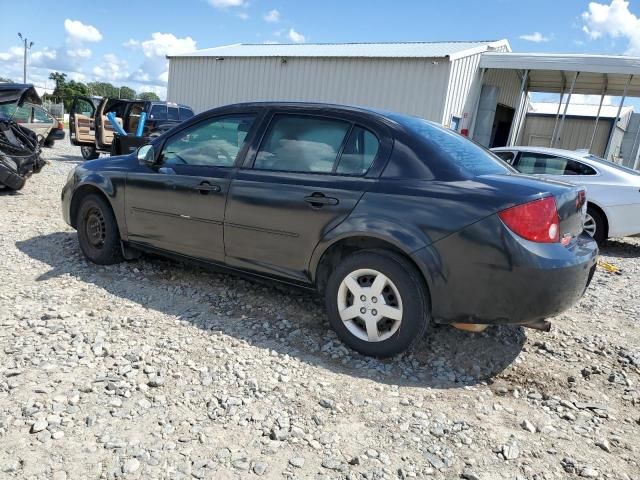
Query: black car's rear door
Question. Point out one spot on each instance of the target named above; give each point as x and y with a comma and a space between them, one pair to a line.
306, 176
178, 205
82, 129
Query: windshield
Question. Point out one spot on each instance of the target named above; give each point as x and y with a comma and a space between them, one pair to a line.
622, 168
467, 156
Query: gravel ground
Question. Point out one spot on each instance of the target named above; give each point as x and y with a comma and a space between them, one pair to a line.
153, 369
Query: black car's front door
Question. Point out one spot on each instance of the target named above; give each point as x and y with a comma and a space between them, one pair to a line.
307, 177
178, 205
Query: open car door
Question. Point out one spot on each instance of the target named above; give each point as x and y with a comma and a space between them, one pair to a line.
82, 129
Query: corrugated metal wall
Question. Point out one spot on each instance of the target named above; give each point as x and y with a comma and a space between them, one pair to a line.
414, 86
576, 133
463, 74
509, 82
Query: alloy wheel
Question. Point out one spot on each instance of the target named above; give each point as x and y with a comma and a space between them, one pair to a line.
590, 225
370, 305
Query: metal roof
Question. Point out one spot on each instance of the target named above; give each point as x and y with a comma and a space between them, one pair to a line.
578, 110
548, 72
451, 50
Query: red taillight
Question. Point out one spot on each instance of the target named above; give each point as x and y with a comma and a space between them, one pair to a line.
536, 221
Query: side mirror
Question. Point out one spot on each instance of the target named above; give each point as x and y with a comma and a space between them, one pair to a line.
146, 155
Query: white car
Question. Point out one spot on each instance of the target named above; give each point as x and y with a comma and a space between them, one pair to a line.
613, 191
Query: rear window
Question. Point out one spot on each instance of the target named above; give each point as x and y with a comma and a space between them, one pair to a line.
467, 156
185, 113
593, 158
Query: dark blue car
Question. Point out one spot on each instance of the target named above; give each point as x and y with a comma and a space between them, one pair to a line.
398, 222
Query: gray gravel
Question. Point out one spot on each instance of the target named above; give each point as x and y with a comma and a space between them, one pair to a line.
153, 369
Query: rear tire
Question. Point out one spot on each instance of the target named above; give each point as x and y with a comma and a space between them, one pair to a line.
596, 225
98, 233
377, 303
89, 153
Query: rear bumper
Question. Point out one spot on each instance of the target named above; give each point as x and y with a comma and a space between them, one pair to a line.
56, 134
486, 274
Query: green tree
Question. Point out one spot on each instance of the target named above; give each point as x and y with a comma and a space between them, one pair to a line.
5, 79
65, 91
148, 96
103, 89
128, 93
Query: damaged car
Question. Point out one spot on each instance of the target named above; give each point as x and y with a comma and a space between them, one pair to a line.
20, 153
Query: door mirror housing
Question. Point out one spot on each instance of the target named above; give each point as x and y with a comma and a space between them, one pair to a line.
146, 155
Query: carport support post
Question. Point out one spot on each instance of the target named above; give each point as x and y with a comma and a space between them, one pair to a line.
615, 120
515, 124
595, 126
566, 107
555, 123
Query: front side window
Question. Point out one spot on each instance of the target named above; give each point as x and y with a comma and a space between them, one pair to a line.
84, 107
213, 143
541, 164
22, 114
359, 151
301, 144
158, 112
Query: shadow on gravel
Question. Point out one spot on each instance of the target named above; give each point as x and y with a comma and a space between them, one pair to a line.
621, 249
254, 312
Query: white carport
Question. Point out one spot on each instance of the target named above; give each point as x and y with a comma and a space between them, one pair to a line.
566, 74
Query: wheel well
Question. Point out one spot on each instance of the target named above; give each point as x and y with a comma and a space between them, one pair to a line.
343, 248
78, 196
604, 216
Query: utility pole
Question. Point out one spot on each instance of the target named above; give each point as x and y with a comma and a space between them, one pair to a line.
27, 46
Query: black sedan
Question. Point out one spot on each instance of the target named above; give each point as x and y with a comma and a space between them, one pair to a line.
398, 222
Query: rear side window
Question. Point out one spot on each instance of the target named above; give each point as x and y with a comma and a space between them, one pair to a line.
158, 112
40, 116
301, 144
185, 113
173, 114
467, 156
359, 151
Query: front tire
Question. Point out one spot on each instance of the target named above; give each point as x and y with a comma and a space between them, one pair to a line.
377, 303
98, 233
596, 225
89, 153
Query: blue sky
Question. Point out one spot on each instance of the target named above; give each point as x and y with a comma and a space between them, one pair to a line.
95, 41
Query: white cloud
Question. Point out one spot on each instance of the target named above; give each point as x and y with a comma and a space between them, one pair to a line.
163, 44
79, 53
535, 37
615, 21
81, 32
226, 3
295, 37
272, 16
154, 70
131, 43
243, 16
111, 69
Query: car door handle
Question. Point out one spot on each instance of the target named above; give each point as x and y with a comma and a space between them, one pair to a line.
317, 200
206, 187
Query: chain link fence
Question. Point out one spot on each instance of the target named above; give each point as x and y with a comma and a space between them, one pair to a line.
55, 109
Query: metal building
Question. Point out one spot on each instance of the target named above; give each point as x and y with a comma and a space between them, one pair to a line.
579, 132
430, 80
